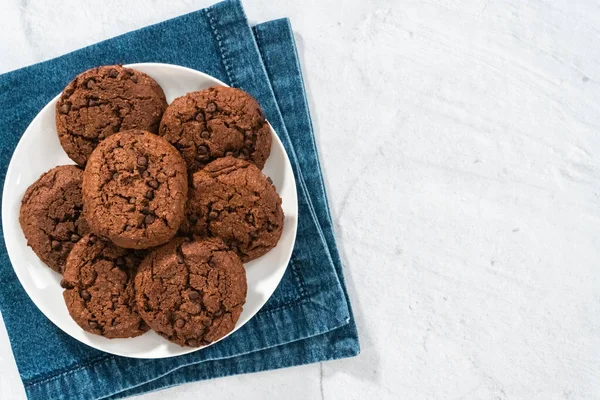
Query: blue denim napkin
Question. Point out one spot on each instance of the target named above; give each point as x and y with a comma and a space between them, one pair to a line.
308, 319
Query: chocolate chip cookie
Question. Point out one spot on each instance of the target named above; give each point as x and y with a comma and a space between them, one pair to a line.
191, 292
217, 122
51, 215
99, 291
231, 199
134, 189
105, 100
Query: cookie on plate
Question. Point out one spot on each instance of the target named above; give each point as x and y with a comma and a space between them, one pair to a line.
232, 199
134, 189
217, 122
102, 101
51, 215
191, 291
99, 291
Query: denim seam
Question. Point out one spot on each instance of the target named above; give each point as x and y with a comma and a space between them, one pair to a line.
298, 278
310, 124
40, 380
287, 305
224, 57
293, 159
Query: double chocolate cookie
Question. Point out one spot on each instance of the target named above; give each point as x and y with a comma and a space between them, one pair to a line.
99, 291
217, 122
191, 292
105, 100
134, 189
51, 215
231, 199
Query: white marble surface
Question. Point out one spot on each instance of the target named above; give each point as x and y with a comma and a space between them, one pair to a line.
469, 218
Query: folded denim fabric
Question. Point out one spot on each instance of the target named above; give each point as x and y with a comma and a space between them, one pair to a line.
308, 319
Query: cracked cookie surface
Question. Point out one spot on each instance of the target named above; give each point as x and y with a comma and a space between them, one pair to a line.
233, 200
134, 189
51, 215
99, 289
102, 101
216, 122
191, 292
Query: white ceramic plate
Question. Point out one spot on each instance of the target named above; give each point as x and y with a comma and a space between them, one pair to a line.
39, 150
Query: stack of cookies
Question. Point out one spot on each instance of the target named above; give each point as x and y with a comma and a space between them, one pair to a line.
152, 226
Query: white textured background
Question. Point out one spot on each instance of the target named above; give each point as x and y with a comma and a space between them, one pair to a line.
460, 142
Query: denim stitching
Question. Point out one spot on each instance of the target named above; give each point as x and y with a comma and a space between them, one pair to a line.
224, 57
298, 278
40, 380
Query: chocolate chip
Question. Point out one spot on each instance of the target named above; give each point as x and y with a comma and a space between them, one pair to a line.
218, 313
128, 228
194, 295
250, 218
65, 108
193, 219
142, 161
113, 73
134, 78
229, 153
269, 180
91, 84
249, 135
145, 210
153, 184
180, 259
192, 343
205, 134
75, 238
253, 235
65, 285
199, 117
149, 194
179, 323
56, 245
146, 174
132, 200
270, 227
211, 107
92, 102
202, 150
120, 261
149, 219
85, 295
68, 91
213, 215
93, 324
